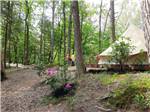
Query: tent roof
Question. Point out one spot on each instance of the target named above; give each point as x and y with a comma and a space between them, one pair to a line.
136, 37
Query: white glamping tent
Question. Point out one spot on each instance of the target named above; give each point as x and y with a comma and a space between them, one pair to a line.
139, 53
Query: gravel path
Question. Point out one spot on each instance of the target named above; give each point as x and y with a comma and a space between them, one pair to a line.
22, 92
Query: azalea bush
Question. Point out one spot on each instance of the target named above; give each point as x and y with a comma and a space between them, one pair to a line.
60, 82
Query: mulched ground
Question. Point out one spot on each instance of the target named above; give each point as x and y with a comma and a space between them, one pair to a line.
23, 92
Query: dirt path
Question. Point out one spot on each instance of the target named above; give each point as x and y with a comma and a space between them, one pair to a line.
87, 98
22, 92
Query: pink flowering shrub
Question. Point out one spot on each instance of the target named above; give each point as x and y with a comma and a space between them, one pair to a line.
60, 83
68, 86
51, 71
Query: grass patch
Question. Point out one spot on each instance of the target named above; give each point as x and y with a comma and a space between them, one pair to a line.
52, 100
106, 79
71, 101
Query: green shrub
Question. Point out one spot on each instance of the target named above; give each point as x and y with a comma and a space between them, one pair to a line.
140, 100
120, 52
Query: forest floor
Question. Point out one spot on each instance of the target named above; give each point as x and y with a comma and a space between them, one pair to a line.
23, 92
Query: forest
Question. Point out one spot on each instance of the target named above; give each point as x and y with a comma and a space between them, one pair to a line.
75, 56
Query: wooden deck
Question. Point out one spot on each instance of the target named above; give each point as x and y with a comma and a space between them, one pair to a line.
113, 67
88, 69
93, 69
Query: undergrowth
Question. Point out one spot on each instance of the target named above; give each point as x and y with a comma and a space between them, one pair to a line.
133, 91
107, 79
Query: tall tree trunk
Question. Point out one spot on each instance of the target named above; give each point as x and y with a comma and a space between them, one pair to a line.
69, 31
100, 26
5, 44
77, 34
10, 11
3, 74
105, 24
112, 20
64, 16
27, 55
73, 47
52, 34
7, 33
41, 37
44, 50
34, 61
9, 52
60, 42
10, 31
82, 18
26, 39
146, 24
16, 50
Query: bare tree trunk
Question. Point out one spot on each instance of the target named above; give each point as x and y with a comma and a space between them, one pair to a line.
34, 61
77, 34
7, 33
27, 55
82, 18
100, 28
41, 37
52, 34
16, 50
146, 24
60, 44
15, 46
10, 14
69, 32
64, 15
44, 50
3, 74
112, 20
26, 40
106, 20
5, 45
9, 52
73, 47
